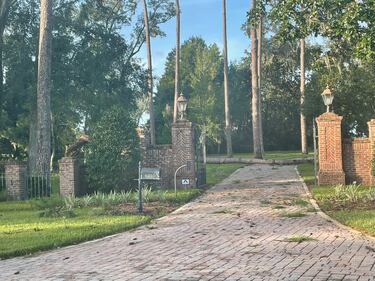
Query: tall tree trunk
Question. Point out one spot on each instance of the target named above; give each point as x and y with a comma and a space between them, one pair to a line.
204, 148
150, 78
1, 68
228, 125
304, 149
260, 40
4, 12
44, 89
177, 67
32, 146
53, 145
255, 92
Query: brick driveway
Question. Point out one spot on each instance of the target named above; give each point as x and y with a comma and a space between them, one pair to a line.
234, 232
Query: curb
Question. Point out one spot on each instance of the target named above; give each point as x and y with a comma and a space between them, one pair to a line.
294, 161
327, 217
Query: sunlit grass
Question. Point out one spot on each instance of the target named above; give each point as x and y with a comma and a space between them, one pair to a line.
274, 155
306, 171
218, 172
23, 231
297, 214
362, 220
354, 215
299, 239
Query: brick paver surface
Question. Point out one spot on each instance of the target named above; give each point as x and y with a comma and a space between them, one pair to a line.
234, 232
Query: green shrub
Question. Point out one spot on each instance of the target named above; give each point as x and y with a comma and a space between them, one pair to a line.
112, 154
100, 199
370, 195
3, 195
159, 195
147, 193
87, 201
350, 193
55, 207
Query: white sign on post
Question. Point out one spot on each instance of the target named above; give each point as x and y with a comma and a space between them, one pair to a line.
185, 181
150, 174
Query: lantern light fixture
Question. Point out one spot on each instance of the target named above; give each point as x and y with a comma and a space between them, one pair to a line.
328, 97
182, 106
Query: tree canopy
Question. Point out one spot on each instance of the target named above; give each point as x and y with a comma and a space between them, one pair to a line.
95, 65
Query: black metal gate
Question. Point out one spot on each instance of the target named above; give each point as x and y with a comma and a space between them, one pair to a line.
200, 166
2, 179
38, 185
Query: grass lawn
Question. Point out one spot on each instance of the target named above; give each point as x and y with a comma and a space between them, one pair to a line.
273, 155
23, 231
218, 172
306, 171
351, 205
55, 182
3, 195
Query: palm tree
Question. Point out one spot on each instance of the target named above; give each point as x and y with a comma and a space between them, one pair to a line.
260, 42
228, 125
302, 115
255, 90
150, 78
177, 67
43, 127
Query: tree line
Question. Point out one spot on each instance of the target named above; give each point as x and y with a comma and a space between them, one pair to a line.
282, 76
66, 63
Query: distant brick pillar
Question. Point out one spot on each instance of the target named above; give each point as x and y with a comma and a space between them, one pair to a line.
69, 176
183, 152
371, 135
330, 149
15, 177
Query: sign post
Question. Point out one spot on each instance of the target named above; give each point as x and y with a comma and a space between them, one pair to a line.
315, 153
185, 181
145, 174
140, 203
175, 178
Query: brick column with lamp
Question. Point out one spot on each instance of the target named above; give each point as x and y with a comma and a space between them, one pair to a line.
330, 149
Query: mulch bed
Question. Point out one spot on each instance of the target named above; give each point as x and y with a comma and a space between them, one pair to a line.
153, 209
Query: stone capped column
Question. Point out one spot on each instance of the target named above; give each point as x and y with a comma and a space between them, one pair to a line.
183, 152
371, 135
15, 180
330, 149
69, 176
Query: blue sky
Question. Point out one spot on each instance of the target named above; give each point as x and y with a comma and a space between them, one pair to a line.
203, 18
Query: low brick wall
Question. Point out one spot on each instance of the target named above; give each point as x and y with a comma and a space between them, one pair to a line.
168, 158
69, 176
159, 156
16, 177
357, 160
344, 161
330, 149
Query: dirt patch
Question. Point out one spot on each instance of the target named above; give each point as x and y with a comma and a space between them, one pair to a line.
331, 205
153, 209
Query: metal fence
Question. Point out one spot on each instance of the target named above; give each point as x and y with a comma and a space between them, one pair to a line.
200, 165
2, 182
38, 186
35, 185
2, 177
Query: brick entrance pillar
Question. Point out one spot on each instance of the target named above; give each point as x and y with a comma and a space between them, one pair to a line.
330, 149
15, 177
371, 135
69, 176
183, 152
